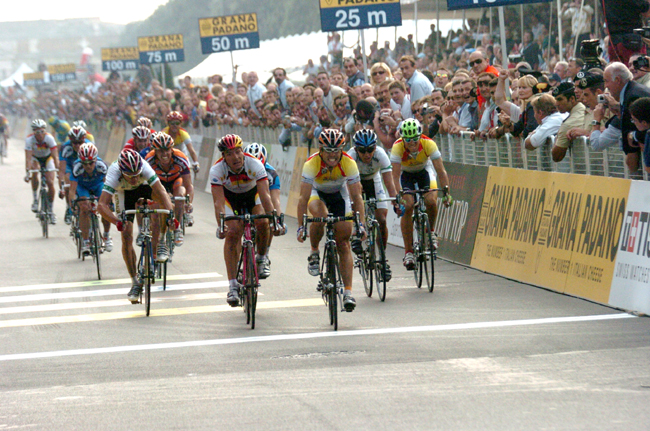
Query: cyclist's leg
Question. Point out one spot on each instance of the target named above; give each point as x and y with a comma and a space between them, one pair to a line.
84, 211
178, 191
382, 208
36, 164
263, 229
126, 201
342, 233
431, 199
49, 178
317, 208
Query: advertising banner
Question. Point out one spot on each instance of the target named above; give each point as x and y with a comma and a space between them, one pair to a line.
283, 163
229, 33
62, 72
120, 59
468, 4
161, 49
336, 15
34, 79
631, 282
296, 181
558, 231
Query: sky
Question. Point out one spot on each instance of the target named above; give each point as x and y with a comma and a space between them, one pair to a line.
113, 11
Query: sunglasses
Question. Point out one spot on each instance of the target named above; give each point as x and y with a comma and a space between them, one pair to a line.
130, 176
330, 150
365, 150
378, 72
483, 83
472, 63
442, 75
411, 140
88, 163
174, 123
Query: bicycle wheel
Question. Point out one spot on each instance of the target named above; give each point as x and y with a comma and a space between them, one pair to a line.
250, 283
417, 252
44, 216
96, 244
426, 250
430, 265
3, 146
148, 274
362, 263
77, 237
332, 286
379, 261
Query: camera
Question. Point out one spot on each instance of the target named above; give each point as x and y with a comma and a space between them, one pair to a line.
641, 62
426, 109
590, 52
602, 99
643, 32
210, 115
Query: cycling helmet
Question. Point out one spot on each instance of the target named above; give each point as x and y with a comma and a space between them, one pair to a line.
80, 123
38, 124
144, 121
87, 152
257, 150
229, 142
365, 138
410, 128
77, 134
331, 138
129, 162
162, 141
174, 116
141, 132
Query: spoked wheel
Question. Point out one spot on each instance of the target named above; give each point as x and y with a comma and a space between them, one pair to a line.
147, 276
332, 284
251, 283
380, 264
426, 251
417, 253
96, 245
43, 215
77, 240
431, 263
361, 262
252, 301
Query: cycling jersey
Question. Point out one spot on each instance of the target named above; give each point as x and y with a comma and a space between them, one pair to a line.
379, 164
69, 155
330, 179
115, 182
238, 182
90, 137
40, 150
180, 166
89, 184
181, 139
414, 162
274, 178
3, 123
130, 145
60, 127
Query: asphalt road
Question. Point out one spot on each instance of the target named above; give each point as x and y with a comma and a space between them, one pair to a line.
480, 353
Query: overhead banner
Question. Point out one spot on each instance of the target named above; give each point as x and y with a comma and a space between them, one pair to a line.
559, 231
34, 79
469, 4
161, 49
62, 72
631, 283
119, 59
337, 15
229, 33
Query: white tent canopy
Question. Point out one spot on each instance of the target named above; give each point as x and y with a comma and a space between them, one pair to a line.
292, 52
17, 76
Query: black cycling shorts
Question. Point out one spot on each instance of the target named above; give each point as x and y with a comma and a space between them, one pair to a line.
415, 180
241, 203
334, 202
131, 197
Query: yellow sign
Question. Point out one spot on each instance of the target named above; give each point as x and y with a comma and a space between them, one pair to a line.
553, 230
348, 3
128, 53
160, 43
33, 76
225, 25
62, 68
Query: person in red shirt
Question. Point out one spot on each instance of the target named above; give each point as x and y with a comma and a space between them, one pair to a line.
480, 64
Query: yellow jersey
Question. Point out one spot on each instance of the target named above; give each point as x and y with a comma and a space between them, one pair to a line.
416, 161
330, 179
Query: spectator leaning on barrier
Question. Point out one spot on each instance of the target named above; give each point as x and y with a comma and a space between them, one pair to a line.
622, 92
399, 100
547, 117
490, 116
640, 114
280, 76
255, 90
419, 85
468, 118
566, 102
590, 85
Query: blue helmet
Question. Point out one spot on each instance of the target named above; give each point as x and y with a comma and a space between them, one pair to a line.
365, 138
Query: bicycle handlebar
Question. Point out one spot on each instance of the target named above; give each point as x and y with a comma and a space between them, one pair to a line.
146, 211
251, 217
330, 219
444, 190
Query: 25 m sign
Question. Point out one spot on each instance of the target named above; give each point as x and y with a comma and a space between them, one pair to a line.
229, 33
338, 15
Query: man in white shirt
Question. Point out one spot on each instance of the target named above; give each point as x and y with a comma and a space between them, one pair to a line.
548, 118
418, 83
255, 91
400, 101
329, 92
280, 76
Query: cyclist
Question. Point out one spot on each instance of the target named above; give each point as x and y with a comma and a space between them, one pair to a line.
180, 136
259, 152
76, 137
86, 180
41, 150
4, 133
127, 180
240, 185
374, 166
61, 128
144, 121
173, 169
329, 179
415, 157
82, 123
140, 142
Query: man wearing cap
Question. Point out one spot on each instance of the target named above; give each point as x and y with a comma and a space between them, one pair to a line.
591, 85
565, 100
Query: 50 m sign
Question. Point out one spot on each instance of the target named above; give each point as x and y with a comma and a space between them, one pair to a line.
337, 15
229, 33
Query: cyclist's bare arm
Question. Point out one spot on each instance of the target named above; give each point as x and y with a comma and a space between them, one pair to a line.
275, 198
389, 183
357, 199
265, 195
219, 199
397, 172
189, 187
190, 149
104, 207
28, 159
441, 172
162, 195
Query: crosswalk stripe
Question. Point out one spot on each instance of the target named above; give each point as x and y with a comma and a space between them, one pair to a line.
139, 313
33, 287
106, 292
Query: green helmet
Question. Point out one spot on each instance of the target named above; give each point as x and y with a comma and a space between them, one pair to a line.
410, 129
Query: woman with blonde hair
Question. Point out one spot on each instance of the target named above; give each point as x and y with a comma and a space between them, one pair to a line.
520, 118
379, 72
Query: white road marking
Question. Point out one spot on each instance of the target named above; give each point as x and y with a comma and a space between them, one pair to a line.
107, 292
33, 287
303, 336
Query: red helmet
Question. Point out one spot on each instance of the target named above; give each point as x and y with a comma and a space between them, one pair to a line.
77, 134
162, 141
130, 162
144, 121
331, 138
87, 152
174, 116
229, 142
141, 132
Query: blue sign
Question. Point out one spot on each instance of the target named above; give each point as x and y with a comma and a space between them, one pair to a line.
229, 33
231, 42
163, 56
469, 4
338, 15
